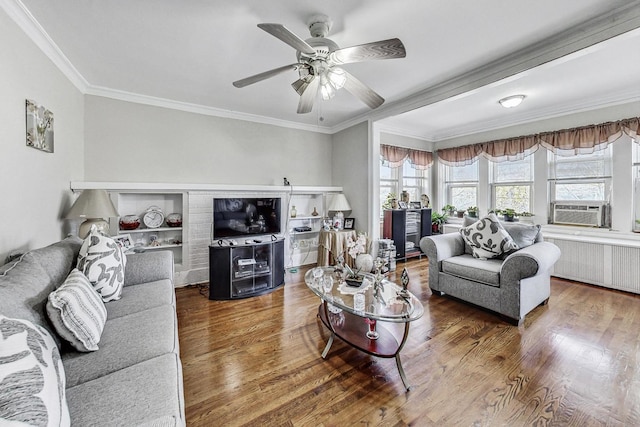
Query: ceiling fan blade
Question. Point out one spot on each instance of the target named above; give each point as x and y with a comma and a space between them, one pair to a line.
383, 49
283, 33
363, 92
308, 96
267, 74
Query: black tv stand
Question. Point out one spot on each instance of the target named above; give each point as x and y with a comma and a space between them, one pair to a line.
246, 269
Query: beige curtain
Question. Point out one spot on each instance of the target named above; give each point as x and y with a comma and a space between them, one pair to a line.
460, 156
420, 160
510, 149
395, 157
581, 140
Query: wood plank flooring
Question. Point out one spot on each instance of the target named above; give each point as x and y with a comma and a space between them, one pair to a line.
575, 361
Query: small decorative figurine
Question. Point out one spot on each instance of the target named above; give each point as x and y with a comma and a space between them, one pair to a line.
404, 278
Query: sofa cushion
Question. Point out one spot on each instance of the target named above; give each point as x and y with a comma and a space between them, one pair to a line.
487, 238
142, 297
32, 380
148, 392
477, 270
102, 260
523, 234
26, 283
77, 312
125, 341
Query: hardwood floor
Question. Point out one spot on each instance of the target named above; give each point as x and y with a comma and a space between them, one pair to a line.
575, 361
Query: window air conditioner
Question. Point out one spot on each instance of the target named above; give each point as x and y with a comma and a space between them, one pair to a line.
579, 213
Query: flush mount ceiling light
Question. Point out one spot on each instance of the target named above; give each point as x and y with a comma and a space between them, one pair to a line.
511, 101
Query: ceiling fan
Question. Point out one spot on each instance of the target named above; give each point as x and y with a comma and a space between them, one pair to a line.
318, 63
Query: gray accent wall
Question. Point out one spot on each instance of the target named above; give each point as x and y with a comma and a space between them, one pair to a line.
131, 142
35, 185
351, 170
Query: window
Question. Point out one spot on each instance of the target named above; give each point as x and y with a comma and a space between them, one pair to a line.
404, 178
461, 185
512, 185
581, 176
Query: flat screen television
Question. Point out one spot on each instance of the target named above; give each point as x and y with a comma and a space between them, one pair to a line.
245, 216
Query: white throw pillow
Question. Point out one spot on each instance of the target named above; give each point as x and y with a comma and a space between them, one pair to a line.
77, 312
102, 260
32, 381
487, 238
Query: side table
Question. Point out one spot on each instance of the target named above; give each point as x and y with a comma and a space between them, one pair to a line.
333, 243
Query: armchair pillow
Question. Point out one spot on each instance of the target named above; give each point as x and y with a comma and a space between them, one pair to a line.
77, 312
102, 260
487, 238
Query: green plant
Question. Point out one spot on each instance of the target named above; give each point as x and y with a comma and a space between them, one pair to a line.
389, 200
437, 218
449, 208
472, 211
508, 212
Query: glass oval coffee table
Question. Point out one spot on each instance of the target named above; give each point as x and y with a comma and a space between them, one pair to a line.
358, 314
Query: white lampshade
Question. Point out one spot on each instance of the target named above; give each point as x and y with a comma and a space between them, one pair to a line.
95, 206
339, 203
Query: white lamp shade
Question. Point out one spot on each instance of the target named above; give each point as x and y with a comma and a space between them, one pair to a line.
339, 203
95, 206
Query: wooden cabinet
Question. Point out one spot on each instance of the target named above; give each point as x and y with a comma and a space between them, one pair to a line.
406, 227
245, 270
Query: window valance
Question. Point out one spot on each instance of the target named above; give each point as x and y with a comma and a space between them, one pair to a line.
395, 156
581, 140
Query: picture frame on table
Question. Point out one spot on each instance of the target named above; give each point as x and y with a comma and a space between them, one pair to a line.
402, 205
124, 241
349, 223
415, 205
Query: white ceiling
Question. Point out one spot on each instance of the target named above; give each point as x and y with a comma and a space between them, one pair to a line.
186, 54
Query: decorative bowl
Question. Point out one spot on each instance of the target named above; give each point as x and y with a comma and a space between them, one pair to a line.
129, 222
174, 220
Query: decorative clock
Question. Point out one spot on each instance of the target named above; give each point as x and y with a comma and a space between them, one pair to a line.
153, 217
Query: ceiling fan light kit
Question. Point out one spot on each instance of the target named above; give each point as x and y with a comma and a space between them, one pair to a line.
318, 58
511, 101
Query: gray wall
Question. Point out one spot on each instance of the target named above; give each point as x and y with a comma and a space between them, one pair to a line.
351, 170
35, 185
132, 142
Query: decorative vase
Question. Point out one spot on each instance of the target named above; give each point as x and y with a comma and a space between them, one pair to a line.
405, 196
315, 212
294, 212
364, 262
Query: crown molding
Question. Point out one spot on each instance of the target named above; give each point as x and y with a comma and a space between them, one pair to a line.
620, 98
26, 21
198, 109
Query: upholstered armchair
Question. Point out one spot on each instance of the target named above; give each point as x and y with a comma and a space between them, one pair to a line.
512, 284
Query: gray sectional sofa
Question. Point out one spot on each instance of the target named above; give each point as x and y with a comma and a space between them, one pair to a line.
512, 285
135, 377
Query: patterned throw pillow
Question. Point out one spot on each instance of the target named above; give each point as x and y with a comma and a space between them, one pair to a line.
487, 238
32, 381
103, 262
77, 312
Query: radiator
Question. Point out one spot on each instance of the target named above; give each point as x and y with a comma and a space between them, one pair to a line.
611, 266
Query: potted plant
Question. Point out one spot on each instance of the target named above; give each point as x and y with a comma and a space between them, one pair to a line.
388, 203
449, 209
472, 211
437, 220
460, 213
508, 214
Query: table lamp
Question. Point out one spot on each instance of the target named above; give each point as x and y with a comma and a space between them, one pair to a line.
95, 206
338, 204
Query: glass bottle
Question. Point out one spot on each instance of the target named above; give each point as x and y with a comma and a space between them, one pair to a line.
294, 212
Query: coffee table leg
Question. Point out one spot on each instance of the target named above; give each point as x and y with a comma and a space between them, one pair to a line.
402, 375
328, 346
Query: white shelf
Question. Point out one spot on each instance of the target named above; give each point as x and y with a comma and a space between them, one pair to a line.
167, 246
316, 217
151, 230
293, 233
